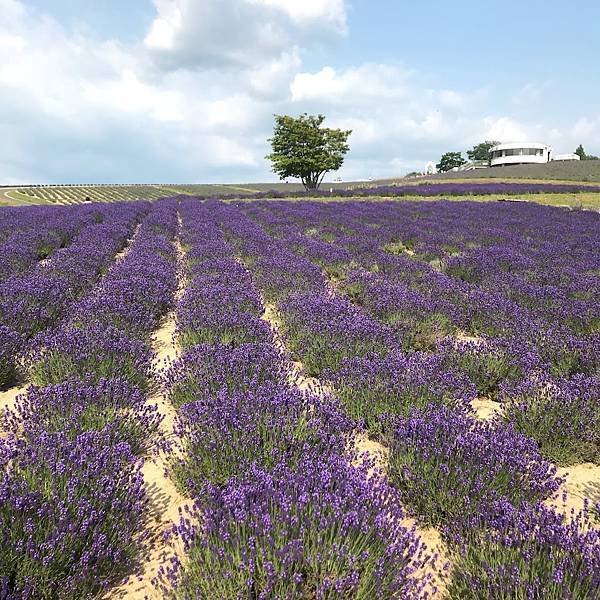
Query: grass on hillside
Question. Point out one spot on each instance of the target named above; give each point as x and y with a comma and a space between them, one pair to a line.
569, 171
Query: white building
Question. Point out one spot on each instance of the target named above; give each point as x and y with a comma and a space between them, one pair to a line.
519, 153
523, 153
565, 157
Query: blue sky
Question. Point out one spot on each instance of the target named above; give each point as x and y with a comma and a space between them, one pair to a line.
185, 90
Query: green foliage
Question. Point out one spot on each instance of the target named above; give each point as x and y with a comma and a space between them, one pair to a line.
56, 367
567, 430
482, 150
425, 333
8, 372
582, 155
449, 161
304, 149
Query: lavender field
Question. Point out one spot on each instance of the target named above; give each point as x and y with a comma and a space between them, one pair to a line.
265, 399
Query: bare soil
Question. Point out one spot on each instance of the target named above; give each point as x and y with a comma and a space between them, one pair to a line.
166, 502
582, 482
485, 408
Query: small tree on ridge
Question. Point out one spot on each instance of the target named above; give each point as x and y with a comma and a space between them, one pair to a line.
304, 149
449, 161
482, 150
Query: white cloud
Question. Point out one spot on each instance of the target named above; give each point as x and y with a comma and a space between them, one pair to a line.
238, 33
193, 100
505, 129
355, 85
306, 11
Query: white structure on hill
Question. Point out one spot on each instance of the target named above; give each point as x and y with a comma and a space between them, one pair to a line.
566, 157
524, 153
519, 153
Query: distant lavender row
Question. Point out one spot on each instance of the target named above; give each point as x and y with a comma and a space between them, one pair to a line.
425, 190
37, 299
39, 234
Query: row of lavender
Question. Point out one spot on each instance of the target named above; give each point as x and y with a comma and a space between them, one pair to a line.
540, 357
427, 190
34, 234
280, 511
482, 483
72, 499
33, 300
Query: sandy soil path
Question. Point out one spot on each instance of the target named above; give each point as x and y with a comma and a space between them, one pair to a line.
165, 499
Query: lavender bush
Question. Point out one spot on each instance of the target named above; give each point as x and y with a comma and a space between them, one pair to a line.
323, 330
528, 552
220, 437
372, 386
74, 407
202, 371
561, 415
70, 513
10, 343
228, 329
322, 530
490, 363
449, 466
98, 352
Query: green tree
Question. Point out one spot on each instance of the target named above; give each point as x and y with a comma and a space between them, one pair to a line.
581, 152
582, 155
449, 161
482, 150
304, 149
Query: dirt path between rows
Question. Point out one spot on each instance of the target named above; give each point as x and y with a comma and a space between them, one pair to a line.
165, 499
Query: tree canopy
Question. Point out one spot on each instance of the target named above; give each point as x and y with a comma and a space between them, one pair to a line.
582, 155
304, 149
481, 151
449, 161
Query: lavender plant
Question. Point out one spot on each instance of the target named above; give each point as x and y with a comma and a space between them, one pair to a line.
70, 515
10, 345
321, 530
74, 407
370, 386
323, 330
220, 437
226, 328
527, 552
561, 415
98, 352
490, 363
450, 467
204, 370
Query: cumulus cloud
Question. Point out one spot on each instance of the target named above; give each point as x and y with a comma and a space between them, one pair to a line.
237, 33
193, 98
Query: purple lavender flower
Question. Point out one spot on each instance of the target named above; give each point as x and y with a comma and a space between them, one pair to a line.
74, 407
71, 513
10, 346
204, 370
372, 386
322, 530
561, 415
96, 352
220, 436
450, 467
527, 552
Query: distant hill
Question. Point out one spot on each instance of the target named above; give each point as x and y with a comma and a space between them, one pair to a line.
581, 172
585, 170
